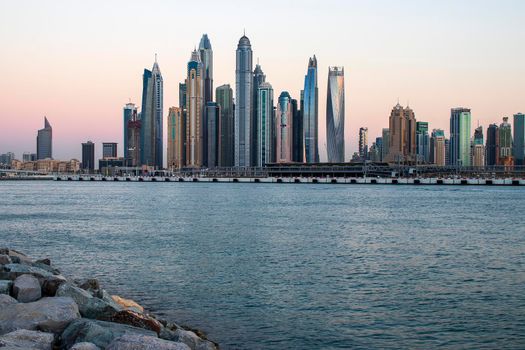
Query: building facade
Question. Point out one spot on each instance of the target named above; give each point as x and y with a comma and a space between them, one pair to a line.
505, 143
335, 115
437, 148
176, 134
265, 128
460, 121
224, 96
478, 148
243, 103
519, 139
44, 141
363, 143
309, 111
129, 114
152, 118
195, 112
386, 144
88, 157
213, 112
109, 150
402, 126
492, 145
422, 142
297, 137
258, 78
284, 130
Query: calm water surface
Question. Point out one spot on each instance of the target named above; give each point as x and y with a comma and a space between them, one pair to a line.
261, 266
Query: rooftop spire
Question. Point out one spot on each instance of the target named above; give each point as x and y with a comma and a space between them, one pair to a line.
155, 57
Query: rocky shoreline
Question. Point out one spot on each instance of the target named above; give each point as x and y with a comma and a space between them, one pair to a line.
41, 309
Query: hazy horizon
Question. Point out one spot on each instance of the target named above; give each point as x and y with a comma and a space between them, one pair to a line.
80, 63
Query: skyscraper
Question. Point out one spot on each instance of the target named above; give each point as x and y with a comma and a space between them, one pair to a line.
206, 54
402, 126
297, 138
492, 146
309, 111
132, 139
258, 79
335, 115
44, 141
386, 144
184, 114
243, 103
265, 146
224, 96
505, 143
213, 112
437, 148
130, 113
195, 106
151, 118
519, 139
284, 131
109, 150
176, 134
88, 157
363, 143
422, 142
460, 136
478, 149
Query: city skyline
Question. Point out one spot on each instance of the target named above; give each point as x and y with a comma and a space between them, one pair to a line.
493, 73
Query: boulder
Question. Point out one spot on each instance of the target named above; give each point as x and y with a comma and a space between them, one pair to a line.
128, 304
90, 283
6, 300
5, 259
144, 342
12, 271
50, 285
26, 288
18, 256
84, 346
45, 261
5, 287
135, 319
4, 251
47, 314
100, 333
89, 306
192, 340
24, 339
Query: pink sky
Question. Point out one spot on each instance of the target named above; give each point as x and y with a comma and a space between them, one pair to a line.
78, 63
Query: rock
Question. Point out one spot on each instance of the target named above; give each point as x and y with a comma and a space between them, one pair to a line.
102, 294
19, 257
135, 319
5, 259
89, 306
47, 314
24, 339
189, 338
100, 333
143, 342
84, 346
90, 283
6, 300
128, 304
46, 267
4, 251
5, 287
12, 271
50, 285
26, 288
45, 261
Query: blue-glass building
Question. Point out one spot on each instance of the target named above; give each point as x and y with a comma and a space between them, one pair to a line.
309, 111
519, 139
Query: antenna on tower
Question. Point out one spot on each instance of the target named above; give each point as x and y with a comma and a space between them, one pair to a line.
257, 60
244, 31
155, 57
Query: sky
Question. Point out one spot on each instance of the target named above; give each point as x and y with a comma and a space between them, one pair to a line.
80, 62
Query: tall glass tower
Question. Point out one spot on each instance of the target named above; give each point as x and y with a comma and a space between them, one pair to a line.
284, 130
519, 139
151, 118
195, 110
460, 136
335, 115
243, 102
258, 78
44, 141
309, 110
224, 96
265, 147
130, 113
206, 54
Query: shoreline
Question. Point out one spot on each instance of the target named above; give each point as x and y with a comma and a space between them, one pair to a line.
42, 309
434, 181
